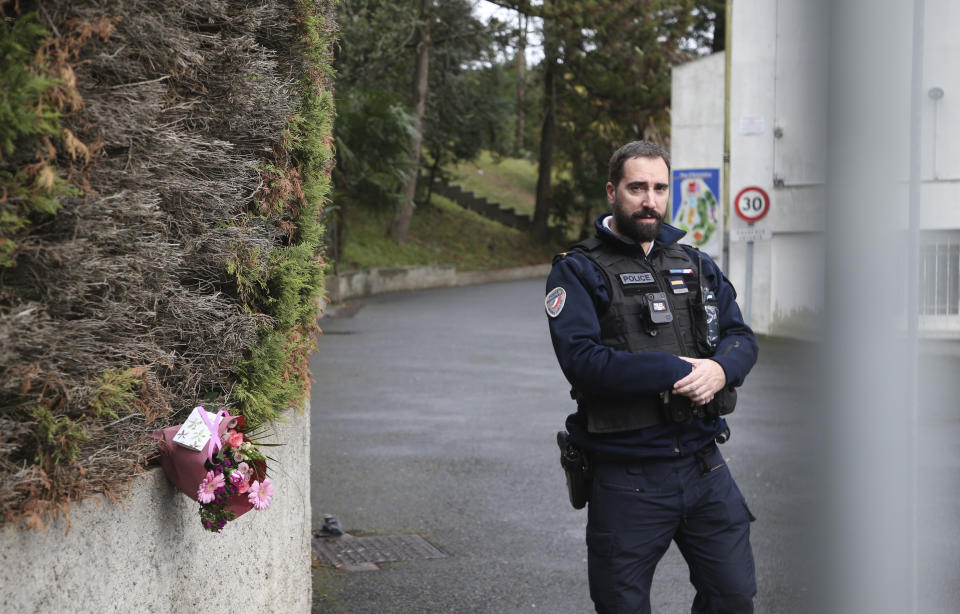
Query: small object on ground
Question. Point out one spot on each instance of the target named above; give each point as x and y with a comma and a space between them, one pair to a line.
331, 527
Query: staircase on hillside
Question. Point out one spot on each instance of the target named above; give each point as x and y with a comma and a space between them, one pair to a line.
480, 205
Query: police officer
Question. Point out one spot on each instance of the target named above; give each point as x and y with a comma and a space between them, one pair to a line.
650, 337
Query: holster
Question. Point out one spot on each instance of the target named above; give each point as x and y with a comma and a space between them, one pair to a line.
575, 466
724, 402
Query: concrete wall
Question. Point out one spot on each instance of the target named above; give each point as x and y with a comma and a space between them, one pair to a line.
369, 282
696, 126
392, 279
778, 120
777, 143
940, 149
786, 293
149, 553
696, 113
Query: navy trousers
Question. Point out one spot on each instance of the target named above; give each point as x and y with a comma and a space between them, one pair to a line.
638, 507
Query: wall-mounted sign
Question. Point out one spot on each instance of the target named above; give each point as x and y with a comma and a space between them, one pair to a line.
750, 233
752, 203
750, 124
696, 208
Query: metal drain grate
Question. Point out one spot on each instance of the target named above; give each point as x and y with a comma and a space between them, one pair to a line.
352, 552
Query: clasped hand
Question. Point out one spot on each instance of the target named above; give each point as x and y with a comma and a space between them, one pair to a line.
704, 380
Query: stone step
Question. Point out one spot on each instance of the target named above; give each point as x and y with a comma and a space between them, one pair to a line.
480, 205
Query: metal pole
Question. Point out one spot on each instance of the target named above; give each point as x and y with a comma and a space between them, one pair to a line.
727, 48
748, 298
913, 289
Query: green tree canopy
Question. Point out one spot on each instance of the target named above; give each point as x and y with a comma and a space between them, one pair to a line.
470, 96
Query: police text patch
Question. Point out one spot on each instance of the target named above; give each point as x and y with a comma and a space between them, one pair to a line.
636, 278
555, 301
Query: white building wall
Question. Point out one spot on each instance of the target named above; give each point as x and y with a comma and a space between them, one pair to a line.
777, 143
696, 124
940, 191
939, 215
696, 113
941, 118
778, 135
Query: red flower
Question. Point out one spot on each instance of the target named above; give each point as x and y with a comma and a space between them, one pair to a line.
233, 438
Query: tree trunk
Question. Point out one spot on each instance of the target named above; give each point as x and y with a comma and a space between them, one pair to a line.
548, 130
432, 179
521, 78
401, 223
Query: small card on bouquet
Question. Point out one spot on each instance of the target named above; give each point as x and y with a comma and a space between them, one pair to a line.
194, 434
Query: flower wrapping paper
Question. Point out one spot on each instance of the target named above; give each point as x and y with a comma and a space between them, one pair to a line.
185, 468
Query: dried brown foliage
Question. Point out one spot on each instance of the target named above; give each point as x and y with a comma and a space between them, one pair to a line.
169, 109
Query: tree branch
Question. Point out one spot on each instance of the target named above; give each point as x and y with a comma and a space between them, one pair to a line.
521, 6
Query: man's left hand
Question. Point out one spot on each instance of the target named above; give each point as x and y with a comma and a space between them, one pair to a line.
704, 381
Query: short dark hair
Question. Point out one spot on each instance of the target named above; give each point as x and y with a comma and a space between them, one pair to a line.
634, 149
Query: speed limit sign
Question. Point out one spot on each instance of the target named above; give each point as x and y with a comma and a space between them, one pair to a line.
752, 203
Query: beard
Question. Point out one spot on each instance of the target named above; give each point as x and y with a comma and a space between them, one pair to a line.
630, 225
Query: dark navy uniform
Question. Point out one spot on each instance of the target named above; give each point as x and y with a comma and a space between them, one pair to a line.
619, 319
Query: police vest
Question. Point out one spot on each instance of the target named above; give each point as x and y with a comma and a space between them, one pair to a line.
654, 304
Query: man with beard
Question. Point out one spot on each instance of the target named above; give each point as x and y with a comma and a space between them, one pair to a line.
650, 337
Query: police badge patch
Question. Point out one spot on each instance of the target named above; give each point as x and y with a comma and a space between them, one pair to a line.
677, 285
555, 301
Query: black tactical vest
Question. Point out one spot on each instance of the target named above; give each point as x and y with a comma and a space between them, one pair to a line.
653, 301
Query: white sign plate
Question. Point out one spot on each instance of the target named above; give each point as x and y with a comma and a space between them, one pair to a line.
752, 124
750, 233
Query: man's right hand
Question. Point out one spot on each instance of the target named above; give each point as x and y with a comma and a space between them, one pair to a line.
704, 380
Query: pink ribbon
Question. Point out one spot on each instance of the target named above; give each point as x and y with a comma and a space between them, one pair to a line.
214, 429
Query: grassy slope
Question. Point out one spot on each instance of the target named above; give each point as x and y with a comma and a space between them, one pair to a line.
444, 233
441, 233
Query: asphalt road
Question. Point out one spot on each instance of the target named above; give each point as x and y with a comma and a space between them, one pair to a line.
435, 413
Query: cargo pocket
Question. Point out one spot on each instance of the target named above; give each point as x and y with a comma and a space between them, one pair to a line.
601, 544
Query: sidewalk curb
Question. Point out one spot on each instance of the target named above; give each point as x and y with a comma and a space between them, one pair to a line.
370, 282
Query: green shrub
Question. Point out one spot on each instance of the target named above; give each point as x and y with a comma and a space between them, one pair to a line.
27, 122
58, 437
117, 392
287, 283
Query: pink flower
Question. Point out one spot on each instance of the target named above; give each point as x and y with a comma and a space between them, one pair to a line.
234, 439
239, 479
261, 493
209, 485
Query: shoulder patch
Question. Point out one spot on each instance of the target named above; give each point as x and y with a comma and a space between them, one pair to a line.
555, 300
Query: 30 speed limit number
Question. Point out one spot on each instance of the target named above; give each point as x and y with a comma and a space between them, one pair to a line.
752, 203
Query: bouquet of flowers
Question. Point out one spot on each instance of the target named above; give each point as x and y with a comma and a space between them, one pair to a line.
212, 460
